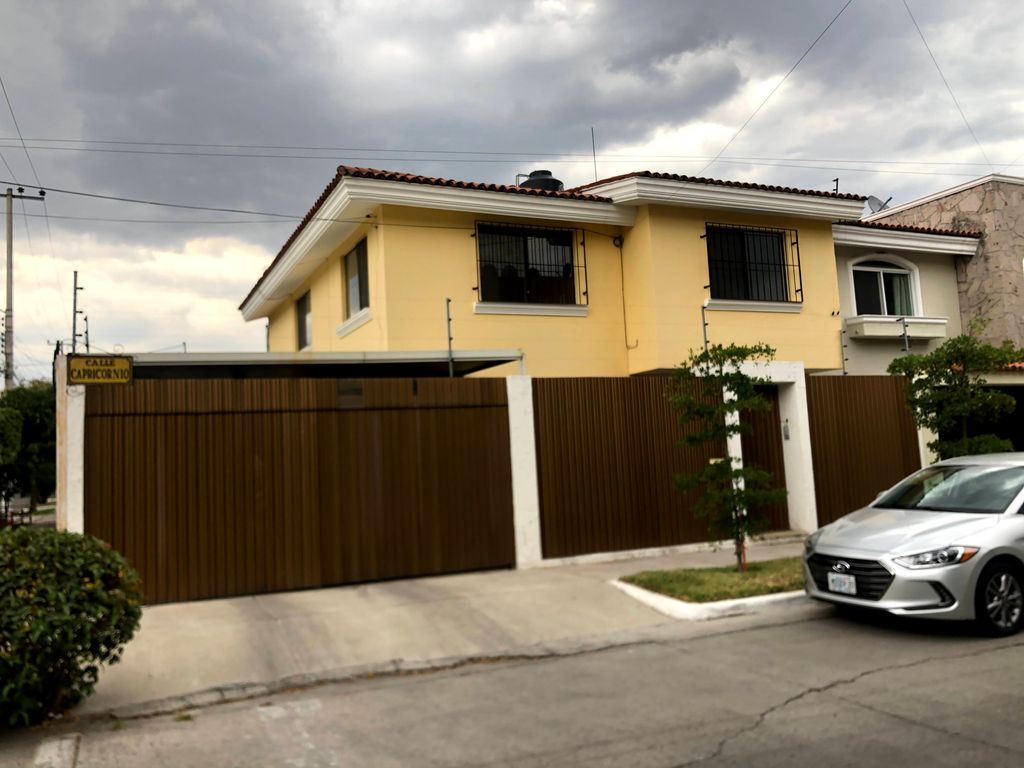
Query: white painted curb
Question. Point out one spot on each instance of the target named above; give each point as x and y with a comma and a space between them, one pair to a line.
680, 609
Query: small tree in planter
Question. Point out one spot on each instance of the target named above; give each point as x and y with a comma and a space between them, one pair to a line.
731, 495
946, 391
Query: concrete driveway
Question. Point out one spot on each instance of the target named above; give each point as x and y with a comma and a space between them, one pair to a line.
298, 637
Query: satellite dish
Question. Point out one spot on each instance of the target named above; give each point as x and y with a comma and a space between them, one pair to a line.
877, 205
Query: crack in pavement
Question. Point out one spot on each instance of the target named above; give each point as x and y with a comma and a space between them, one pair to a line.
930, 727
815, 689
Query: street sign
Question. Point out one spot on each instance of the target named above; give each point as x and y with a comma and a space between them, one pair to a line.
99, 369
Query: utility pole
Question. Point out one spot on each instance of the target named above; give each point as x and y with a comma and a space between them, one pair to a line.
86, 319
75, 312
9, 311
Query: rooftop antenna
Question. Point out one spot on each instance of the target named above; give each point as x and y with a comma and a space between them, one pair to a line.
877, 205
593, 149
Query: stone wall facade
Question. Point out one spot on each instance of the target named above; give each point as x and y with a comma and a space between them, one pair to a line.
991, 284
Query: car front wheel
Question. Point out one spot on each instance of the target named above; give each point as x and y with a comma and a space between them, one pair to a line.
999, 600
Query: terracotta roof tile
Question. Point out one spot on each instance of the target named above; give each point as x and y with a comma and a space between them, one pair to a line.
409, 178
721, 183
907, 228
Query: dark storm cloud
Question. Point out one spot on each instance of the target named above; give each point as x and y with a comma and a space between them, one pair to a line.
249, 72
480, 75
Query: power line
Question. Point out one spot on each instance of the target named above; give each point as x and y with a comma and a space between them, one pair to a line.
184, 206
293, 217
28, 237
516, 157
777, 86
32, 252
282, 217
163, 221
948, 88
49, 231
8, 167
17, 128
295, 147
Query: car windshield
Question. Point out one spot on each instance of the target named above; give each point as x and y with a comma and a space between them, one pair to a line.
975, 489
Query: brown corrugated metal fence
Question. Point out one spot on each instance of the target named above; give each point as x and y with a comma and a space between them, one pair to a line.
607, 452
220, 487
863, 440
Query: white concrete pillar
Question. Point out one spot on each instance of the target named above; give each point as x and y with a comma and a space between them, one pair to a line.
525, 493
796, 453
70, 452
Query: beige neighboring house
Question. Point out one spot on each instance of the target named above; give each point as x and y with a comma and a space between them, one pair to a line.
990, 282
897, 290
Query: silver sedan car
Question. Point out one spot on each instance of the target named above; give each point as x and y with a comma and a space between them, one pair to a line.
945, 543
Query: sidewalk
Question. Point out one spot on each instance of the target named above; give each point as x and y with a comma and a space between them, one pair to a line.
185, 648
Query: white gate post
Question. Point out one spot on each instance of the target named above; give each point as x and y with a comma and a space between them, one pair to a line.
70, 452
523, 450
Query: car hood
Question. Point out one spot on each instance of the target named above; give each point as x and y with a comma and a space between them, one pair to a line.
902, 531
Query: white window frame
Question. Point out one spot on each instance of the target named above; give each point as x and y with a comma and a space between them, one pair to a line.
900, 266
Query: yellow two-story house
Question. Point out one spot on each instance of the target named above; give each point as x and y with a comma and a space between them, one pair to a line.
620, 277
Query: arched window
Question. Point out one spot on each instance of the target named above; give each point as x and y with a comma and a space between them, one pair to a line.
883, 288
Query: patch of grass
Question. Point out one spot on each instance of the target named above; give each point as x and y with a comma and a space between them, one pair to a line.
704, 585
183, 717
118, 725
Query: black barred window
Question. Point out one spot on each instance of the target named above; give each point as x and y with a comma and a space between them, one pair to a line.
753, 263
530, 265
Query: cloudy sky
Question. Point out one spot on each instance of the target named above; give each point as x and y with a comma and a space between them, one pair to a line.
250, 105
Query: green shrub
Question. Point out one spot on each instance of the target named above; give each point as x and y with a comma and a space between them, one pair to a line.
68, 603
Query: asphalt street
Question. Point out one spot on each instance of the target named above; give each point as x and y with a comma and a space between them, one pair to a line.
819, 689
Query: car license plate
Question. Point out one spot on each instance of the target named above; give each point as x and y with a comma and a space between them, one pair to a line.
843, 583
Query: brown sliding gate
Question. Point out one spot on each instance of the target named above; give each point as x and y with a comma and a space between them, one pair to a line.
863, 440
607, 451
214, 488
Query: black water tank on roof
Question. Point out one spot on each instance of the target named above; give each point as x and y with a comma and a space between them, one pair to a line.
543, 180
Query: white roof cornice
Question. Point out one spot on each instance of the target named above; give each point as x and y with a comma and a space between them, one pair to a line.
381, 192
638, 190
894, 240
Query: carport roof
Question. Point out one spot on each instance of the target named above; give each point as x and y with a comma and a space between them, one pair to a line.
317, 365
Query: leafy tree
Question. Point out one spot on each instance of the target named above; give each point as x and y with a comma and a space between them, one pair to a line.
731, 494
10, 435
33, 470
946, 391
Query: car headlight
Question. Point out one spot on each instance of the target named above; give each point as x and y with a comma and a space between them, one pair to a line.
811, 541
937, 557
